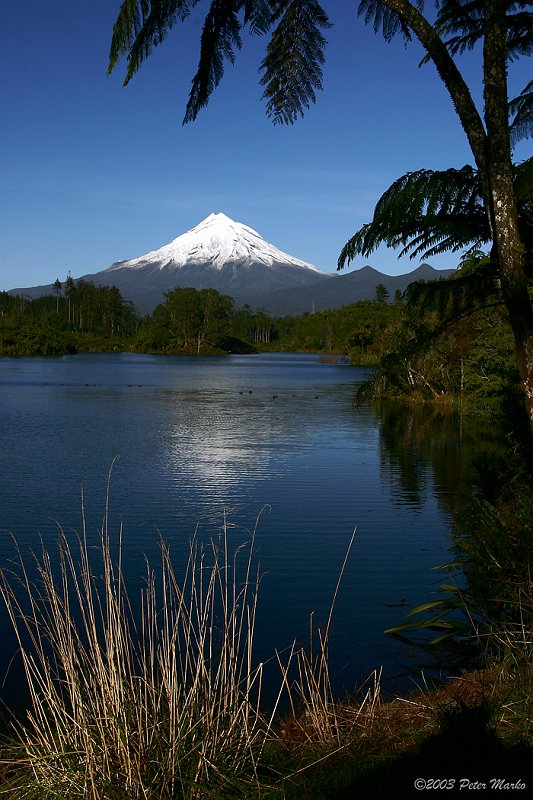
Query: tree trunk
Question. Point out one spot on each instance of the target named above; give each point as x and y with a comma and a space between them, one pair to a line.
509, 249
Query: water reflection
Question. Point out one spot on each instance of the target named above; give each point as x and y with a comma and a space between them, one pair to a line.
200, 437
211, 443
428, 450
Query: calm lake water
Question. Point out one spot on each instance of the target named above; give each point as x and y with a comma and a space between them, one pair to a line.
197, 438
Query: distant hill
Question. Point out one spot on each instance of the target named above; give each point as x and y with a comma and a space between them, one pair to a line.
345, 288
232, 258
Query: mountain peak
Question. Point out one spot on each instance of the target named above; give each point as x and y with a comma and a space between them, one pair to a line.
217, 241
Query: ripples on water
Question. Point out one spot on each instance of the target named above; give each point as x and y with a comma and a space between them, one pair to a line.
197, 438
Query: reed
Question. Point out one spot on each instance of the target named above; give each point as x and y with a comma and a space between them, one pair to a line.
162, 705
161, 699
311, 696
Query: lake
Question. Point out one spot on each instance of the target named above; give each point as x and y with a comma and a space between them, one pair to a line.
194, 439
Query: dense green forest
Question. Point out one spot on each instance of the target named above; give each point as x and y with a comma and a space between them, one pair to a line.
83, 317
444, 352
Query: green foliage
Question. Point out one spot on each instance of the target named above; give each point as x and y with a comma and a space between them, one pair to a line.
189, 321
355, 330
493, 539
429, 212
292, 68
49, 325
522, 109
382, 294
94, 318
452, 343
381, 16
220, 38
140, 26
425, 213
464, 25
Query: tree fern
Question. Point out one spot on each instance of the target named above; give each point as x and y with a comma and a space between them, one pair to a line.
384, 18
463, 21
428, 212
220, 38
474, 286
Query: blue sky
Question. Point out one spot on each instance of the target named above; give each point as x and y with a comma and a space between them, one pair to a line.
93, 172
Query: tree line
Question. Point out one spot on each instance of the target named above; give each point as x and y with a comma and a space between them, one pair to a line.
444, 352
80, 316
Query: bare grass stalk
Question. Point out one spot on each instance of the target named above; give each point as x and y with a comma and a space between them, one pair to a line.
160, 709
165, 703
319, 718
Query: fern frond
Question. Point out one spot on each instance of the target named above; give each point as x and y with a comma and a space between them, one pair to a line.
259, 16
142, 25
426, 213
521, 107
470, 288
221, 36
292, 67
520, 33
382, 17
523, 186
463, 21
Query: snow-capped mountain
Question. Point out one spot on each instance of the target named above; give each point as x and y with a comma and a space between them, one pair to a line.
232, 258
218, 241
218, 253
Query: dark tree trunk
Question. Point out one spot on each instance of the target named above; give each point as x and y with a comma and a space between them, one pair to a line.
503, 213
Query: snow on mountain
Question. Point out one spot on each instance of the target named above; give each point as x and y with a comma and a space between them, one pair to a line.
217, 241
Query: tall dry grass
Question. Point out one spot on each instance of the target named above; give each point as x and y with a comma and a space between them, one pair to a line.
161, 703
157, 707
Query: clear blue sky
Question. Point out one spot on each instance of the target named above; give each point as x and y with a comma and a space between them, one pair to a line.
93, 172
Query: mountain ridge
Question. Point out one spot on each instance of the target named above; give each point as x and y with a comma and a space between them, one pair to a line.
234, 259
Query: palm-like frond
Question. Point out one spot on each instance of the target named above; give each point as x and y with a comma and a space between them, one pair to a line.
467, 290
523, 187
142, 25
425, 213
221, 37
520, 32
259, 15
385, 19
521, 108
463, 22
292, 68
